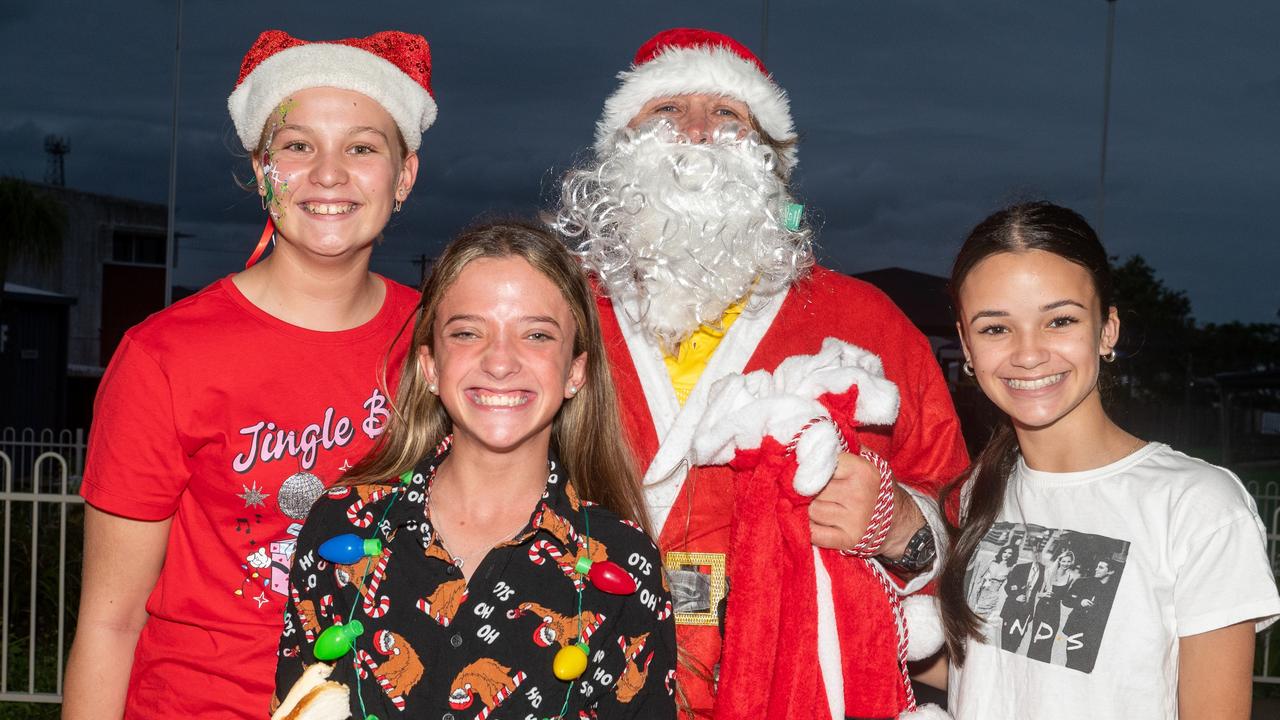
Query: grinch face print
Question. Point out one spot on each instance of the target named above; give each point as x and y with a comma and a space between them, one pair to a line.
275, 187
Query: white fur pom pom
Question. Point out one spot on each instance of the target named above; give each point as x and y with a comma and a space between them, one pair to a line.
926, 712
924, 626
816, 458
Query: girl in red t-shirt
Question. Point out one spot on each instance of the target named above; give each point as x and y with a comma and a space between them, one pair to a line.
221, 418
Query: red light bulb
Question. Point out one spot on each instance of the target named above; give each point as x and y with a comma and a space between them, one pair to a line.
606, 575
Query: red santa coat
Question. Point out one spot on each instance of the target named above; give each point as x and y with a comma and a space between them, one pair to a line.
692, 510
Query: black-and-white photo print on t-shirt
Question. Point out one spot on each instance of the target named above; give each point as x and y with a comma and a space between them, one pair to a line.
1046, 593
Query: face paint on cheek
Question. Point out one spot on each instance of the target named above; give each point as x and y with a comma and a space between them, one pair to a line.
277, 187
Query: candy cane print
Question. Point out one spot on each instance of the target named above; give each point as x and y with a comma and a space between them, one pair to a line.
566, 565
502, 694
629, 656
366, 519
384, 602
363, 658
666, 610
538, 546
297, 605
590, 628
326, 604
443, 617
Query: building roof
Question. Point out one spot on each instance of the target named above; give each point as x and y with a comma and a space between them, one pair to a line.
16, 291
921, 296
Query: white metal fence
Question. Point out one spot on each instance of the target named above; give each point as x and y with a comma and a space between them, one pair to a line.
40, 476
1267, 496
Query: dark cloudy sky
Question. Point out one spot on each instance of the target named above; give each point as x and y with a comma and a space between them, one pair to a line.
917, 118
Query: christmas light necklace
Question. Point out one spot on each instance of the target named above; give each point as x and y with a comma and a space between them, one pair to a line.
570, 661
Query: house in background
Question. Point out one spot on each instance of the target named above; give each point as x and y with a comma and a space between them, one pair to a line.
925, 301
110, 276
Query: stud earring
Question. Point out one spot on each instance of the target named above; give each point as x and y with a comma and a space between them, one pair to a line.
573, 389
431, 388
968, 368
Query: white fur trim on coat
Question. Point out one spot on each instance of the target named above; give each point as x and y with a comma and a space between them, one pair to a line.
741, 410
698, 70
329, 65
924, 626
673, 423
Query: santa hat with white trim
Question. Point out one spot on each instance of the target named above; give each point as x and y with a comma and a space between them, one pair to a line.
391, 67
684, 61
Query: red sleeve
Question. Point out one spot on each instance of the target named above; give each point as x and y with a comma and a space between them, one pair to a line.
136, 466
928, 447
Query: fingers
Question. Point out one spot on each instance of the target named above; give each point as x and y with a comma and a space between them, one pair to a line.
837, 514
830, 537
852, 467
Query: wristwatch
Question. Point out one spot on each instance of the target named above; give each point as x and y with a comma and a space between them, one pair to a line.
921, 550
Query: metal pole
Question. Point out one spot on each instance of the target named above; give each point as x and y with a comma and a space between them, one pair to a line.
1106, 115
173, 159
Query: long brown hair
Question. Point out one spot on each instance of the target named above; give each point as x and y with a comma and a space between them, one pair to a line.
1019, 228
586, 432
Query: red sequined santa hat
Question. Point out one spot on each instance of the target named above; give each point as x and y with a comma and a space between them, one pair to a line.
683, 61
391, 67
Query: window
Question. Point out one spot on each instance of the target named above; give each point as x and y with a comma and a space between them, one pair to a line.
138, 246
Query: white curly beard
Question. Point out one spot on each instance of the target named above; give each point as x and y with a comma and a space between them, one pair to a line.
681, 231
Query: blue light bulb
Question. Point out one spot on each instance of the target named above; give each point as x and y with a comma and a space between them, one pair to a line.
348, 548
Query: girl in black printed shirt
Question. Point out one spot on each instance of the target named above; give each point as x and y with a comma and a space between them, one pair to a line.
495, 587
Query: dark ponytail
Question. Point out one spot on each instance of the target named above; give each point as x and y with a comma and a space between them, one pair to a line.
1020, 228
988, 478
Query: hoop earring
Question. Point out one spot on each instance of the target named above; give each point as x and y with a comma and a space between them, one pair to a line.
1109, 357
396, 207
968, 368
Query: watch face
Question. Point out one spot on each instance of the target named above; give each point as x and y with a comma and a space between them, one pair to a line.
920, 550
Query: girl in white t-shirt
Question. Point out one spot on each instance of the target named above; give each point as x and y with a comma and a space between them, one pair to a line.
1139, 574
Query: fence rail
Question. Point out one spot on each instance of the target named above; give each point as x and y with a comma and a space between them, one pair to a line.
1267, 495
41, 474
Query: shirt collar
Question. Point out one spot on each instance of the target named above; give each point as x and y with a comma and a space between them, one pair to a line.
414, 492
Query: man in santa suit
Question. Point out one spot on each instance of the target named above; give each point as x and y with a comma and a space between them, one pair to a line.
706, 269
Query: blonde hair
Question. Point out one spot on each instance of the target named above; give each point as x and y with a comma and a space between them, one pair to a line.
586, 432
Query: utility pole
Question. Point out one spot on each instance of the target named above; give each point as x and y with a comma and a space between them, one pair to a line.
170, 241
423, 263
1106, 116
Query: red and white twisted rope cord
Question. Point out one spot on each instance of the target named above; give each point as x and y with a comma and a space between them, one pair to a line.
901, 621
871, 542
882, 517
